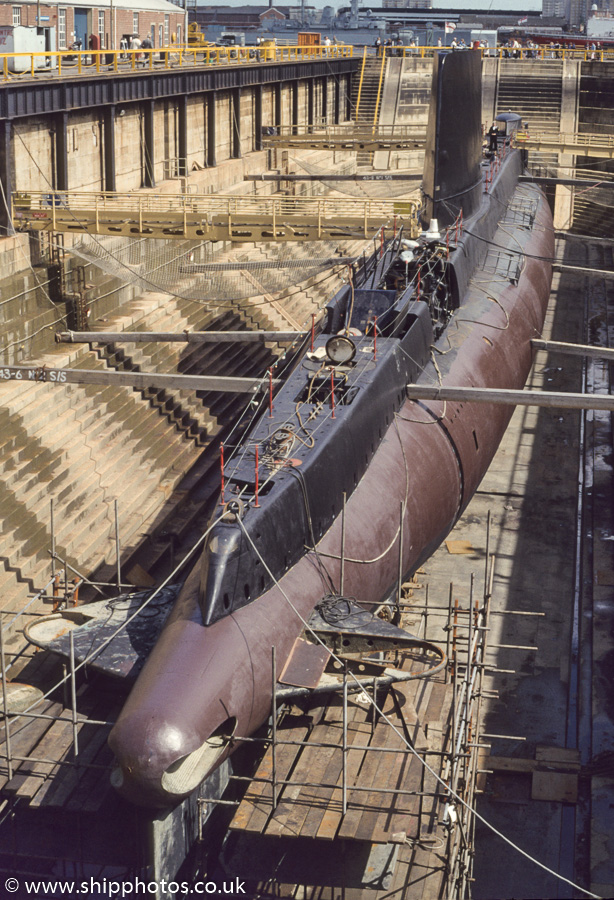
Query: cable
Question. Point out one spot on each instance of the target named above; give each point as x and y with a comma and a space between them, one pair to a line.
407, 743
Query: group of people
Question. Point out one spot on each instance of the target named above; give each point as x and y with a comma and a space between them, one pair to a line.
389, 44
135, 43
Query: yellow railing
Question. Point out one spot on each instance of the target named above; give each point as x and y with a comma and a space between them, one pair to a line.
599, 145
362, 76
542, 52
100, 62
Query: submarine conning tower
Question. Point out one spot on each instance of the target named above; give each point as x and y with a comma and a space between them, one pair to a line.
452, 179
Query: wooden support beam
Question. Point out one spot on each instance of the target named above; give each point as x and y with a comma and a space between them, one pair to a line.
552, 400
135, 380
188, 337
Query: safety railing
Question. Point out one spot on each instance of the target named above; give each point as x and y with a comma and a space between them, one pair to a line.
538, 53
203, 204
65, 63
209, 217
101, 62
349, 130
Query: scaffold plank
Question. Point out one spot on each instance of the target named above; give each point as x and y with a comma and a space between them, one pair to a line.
326, 812
136, 380
95, 785
598, 145
24, 739
294, 805
53, 745
346, 137
372, 768
256, 807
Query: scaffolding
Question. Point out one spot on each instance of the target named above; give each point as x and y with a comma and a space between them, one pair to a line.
437, 786
437, 791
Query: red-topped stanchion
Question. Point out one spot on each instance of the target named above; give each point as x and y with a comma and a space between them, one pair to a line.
271, 393
375, 338
332, 393
256, 480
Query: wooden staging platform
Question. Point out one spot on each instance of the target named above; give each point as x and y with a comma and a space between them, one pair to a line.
386, 841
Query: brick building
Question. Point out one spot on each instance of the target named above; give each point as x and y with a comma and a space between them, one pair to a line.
163, 22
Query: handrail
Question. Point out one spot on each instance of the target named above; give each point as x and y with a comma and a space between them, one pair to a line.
58, 63
153, 201
101, 62
207, 215
362, 75
379, 88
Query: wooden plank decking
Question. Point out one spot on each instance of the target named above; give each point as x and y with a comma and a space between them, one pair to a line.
378, 762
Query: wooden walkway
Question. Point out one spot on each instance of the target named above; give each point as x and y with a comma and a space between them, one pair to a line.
47, 777
391, 799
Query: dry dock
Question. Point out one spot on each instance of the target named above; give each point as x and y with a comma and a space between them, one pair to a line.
335, 806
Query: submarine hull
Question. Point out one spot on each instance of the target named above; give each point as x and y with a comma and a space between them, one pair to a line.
206, 686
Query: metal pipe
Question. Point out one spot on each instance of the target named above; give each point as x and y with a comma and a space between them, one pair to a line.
117, 549
345, 744
82, 577
342, 572
554, 400
73, 692
274, 729
449, 628
183, 337
7, 732
52, 527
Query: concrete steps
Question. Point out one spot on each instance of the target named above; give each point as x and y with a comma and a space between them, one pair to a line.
533, 89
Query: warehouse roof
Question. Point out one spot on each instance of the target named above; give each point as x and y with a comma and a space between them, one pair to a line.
135, 5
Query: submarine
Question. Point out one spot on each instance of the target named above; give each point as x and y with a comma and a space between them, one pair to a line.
343, 483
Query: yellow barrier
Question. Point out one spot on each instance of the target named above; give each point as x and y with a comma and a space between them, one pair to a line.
101, 62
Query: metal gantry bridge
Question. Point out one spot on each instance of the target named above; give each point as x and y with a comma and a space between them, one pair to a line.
346, 137
210, 217
599, 145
